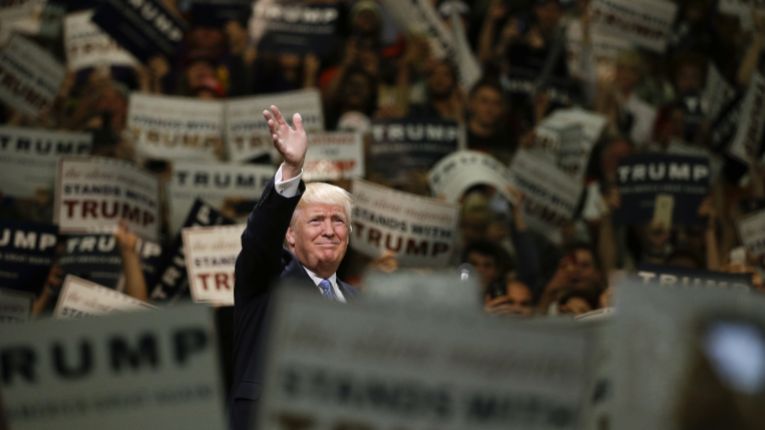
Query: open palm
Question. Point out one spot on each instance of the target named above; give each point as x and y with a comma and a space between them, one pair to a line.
291, 143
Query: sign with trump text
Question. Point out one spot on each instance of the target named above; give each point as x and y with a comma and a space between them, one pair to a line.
94, 193
210, 259
29, 76
81, 298
133, 370
418, 231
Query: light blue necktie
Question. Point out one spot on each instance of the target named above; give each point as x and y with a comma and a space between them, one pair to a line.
326, 289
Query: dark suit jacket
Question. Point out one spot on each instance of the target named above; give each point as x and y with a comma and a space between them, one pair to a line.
261, 265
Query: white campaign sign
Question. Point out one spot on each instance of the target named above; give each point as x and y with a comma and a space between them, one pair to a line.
247, 134
82, 298
717, 93
550, 196
135, 370
87, 45
29, 158
418, 231
94, 193
658, 338
15, 306
567, 136
210, 261
376, 366
746, 142
29, 76
646, 23
604, 48
752, 232
218, 184
334, 155
454, 174
175, 128
419, 17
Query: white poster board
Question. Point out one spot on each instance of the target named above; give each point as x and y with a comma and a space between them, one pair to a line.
94, 193
746, 143
29, 157
30, 76
658, 330
334, 155
218, 184
418, 231
247, 134
550, 195
210, 262
376, 366
645, 23
751, 230
86, 45
135, 370
456, 173
81, 298
175, 128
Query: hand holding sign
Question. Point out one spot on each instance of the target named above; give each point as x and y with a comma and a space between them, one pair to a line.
291, 143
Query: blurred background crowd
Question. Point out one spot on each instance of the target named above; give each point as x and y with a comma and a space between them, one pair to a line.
379, 70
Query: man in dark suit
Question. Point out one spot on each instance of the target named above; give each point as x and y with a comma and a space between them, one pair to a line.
314, 222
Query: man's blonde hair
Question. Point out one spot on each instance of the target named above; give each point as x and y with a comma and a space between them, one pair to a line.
327, 194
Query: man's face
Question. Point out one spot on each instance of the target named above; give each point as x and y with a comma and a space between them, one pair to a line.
485, 266
319, 237
487, 106
519, 299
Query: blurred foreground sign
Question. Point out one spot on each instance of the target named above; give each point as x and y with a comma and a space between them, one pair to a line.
385, 367
147, 370
688, 349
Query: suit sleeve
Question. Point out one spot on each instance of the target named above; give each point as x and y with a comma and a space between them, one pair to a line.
259, 263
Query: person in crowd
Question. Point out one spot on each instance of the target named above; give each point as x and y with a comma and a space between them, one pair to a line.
516, 300
577, 270
577, 302
487, 128
314, 221
490, 262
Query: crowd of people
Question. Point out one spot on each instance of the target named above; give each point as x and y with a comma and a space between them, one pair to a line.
651, 101
378, 70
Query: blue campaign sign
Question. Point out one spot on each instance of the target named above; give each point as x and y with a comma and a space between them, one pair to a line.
681, 277
295, 27
171, 280
401, 145
27, 252
143, 27
641, 178
97, 258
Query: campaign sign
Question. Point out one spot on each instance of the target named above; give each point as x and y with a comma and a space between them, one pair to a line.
717, 93
27, 251
175, 128
97, 258
677, 276
247, 134
604, 48
418, 231
230, 188
522, 82
300, 27
86, 45
334, 155
94, 193
669, 346
645, 23
462, 170
144, 27
748, 141
29, 157
566, 138
210, 259
80, 298
171, 280
752, 232
132, 370
642, 177
401, 145
15, 306
420, 17
374, 366
550, 196
29, 76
